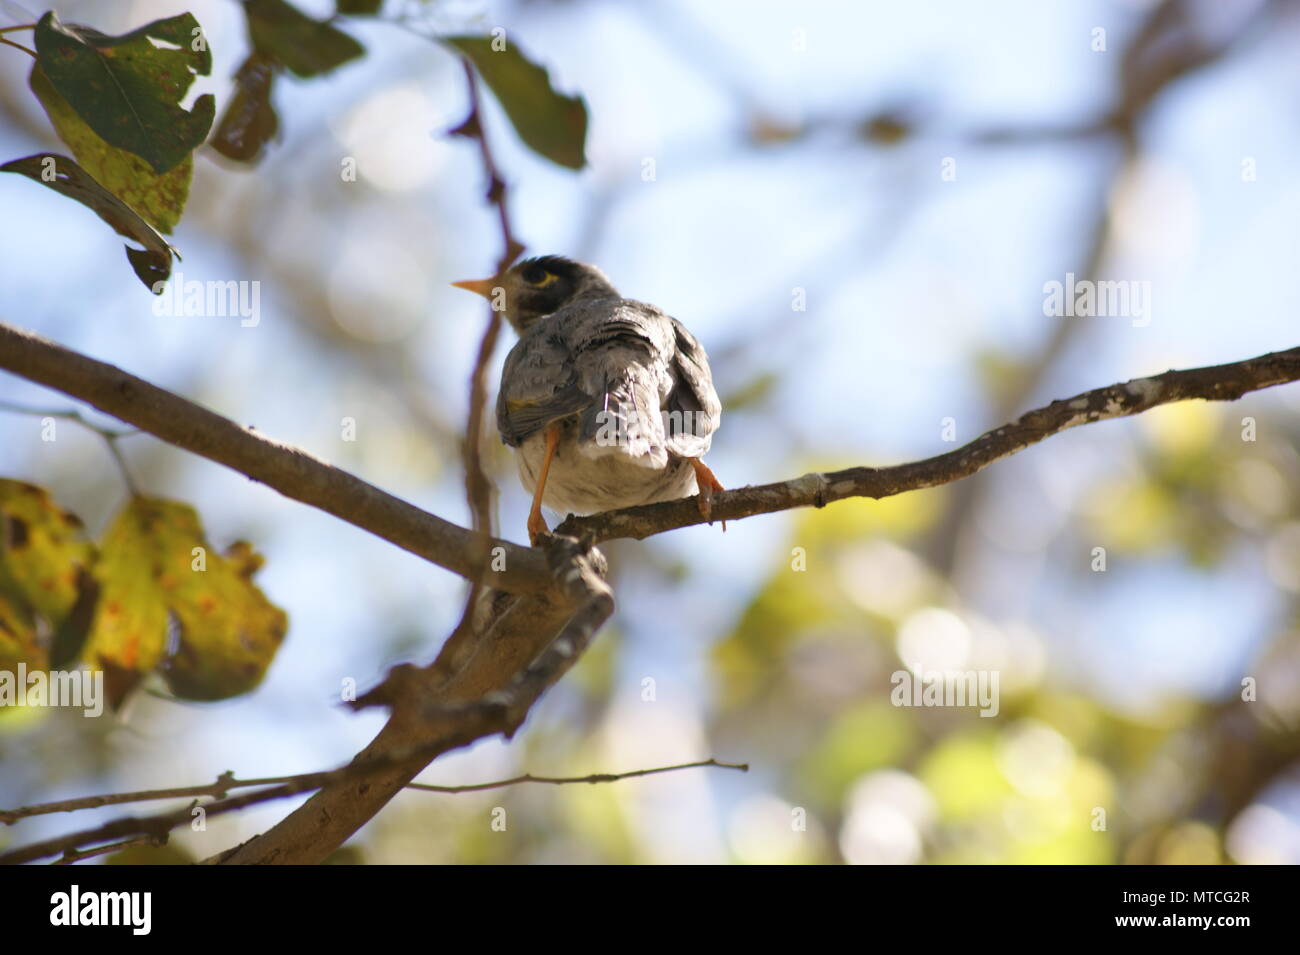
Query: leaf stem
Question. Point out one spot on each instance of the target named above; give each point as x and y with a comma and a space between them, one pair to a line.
110, 436
18, 46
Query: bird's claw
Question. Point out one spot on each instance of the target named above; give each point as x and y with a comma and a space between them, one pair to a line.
707, 483
537, 529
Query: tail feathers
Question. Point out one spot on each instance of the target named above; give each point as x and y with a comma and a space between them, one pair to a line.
617, 424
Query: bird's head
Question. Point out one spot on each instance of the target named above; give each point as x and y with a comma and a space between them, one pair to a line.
532, 289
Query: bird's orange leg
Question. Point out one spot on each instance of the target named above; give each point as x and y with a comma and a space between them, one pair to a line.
536, 523
707, 482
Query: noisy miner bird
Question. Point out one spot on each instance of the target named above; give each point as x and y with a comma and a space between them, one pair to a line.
608, 402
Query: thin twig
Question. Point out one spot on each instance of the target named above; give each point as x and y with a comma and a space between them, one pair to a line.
77, 855
565, 780
478, 486
227, 782
110, 436
224, 783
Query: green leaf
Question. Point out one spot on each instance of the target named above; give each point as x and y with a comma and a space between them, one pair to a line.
550, 124
250, 120
156, 566
159, 200
304, 46
153, 263
128, 88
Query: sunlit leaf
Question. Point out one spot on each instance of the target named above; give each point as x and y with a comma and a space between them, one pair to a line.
159, 200
43, 549
129, 635
156, 566
19, 642
229, 631
128, 88
47, 591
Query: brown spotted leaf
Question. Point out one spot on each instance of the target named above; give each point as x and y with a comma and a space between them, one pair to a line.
18, 640
43, 550
128, 638
156, 568
159, 200
229, 630
129, 88
47, 592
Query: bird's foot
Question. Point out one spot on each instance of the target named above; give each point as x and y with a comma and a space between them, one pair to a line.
537, 528
708, 484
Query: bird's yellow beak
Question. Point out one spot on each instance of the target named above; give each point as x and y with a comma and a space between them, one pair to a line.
482, 287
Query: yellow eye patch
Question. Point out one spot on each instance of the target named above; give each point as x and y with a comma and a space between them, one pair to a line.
548, 278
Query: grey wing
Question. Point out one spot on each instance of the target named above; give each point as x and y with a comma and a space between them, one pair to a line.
694, 411
538, 386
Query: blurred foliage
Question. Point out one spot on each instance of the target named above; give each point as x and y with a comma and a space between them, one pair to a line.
1056, 776
64, 600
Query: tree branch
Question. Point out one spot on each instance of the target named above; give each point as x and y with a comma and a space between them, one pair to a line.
523, 641
515, 656
1212, 383
289, 470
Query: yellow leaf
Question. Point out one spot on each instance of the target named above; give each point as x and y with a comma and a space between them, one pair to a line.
156, 566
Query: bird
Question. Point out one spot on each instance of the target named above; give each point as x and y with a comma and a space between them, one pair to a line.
608, 402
